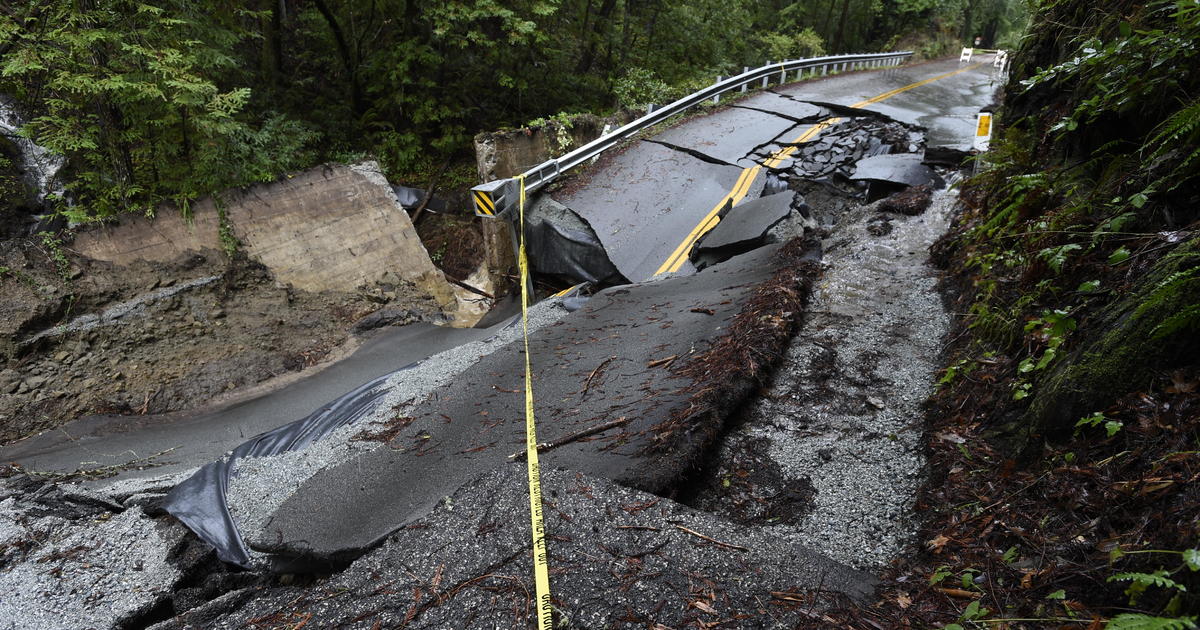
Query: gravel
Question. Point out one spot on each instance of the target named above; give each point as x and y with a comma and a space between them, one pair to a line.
93, 573
259, 485
842, 415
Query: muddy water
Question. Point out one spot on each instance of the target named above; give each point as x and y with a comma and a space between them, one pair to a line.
831, 450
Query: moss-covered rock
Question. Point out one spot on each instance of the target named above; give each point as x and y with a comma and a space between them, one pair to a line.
1150, 331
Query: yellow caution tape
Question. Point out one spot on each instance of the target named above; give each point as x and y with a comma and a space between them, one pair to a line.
541, 570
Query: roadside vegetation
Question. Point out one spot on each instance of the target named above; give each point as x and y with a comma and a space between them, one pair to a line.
1066, 437
173, 100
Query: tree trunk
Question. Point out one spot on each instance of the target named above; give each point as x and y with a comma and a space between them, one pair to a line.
840, 39
348, 61
589, 53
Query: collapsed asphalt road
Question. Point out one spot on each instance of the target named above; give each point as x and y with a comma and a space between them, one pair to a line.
619, 555
629, 355
644, 201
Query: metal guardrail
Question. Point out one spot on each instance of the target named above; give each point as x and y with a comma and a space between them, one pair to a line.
495, 199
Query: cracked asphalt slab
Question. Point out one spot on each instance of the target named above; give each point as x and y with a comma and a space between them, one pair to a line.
619, 558
725, 133
609, 361
946, 108
637, 213
188, 440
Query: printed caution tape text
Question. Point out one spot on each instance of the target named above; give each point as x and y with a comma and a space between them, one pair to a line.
541, 570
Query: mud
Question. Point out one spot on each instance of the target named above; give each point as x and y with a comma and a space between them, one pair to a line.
81, 337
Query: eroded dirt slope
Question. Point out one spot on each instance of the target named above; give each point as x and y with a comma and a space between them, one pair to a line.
84, 337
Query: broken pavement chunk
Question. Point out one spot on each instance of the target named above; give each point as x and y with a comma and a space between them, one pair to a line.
902, 168
743, 229
562, 243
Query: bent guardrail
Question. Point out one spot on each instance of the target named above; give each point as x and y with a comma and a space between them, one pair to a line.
496, 198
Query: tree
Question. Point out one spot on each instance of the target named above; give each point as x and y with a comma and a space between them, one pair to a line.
132, 94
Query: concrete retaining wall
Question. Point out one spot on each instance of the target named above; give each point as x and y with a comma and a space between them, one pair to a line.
332, 227
507, 153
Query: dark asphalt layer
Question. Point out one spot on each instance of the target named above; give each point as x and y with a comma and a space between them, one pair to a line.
946, 107
644, 201
594, 366
619, 558
725, 134
199, 437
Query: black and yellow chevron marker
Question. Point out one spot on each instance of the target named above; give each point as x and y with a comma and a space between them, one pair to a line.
484, 206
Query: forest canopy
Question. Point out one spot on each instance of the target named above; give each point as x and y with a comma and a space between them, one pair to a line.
174, 99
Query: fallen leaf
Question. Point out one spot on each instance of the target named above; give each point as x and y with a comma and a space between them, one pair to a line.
1181, 385
937, 543
903, 600
952, 437
1027, 579
704, 607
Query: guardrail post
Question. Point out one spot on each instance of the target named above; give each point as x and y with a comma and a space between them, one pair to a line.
717, 97
768, 77
745, 69
824, 69
783, 73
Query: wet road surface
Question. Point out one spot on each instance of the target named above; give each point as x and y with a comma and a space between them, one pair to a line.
644, 202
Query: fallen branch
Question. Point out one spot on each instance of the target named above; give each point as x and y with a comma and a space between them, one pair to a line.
546, 446
959, 593
663, 361
644, 527
588, 384
429, 192
471, 288
711, 540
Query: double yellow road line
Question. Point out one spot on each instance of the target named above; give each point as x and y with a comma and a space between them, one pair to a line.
675, 261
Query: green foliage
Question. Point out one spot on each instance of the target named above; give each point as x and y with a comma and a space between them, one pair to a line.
641, 87
1137, 621
960, 368
54, 249
132, 94
803, 44
1111, 427
1120, 67
1057, 256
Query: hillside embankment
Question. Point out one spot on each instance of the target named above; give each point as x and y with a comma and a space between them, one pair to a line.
1064, 433
155, 316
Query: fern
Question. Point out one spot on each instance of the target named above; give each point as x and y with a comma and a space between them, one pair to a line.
1158, 578
1131, 621
1177, 130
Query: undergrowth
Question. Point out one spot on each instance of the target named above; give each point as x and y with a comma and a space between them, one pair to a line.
1065, 434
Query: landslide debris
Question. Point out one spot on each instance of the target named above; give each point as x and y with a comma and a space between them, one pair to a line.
80, 337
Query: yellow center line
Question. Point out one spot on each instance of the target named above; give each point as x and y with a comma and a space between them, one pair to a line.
742, 187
